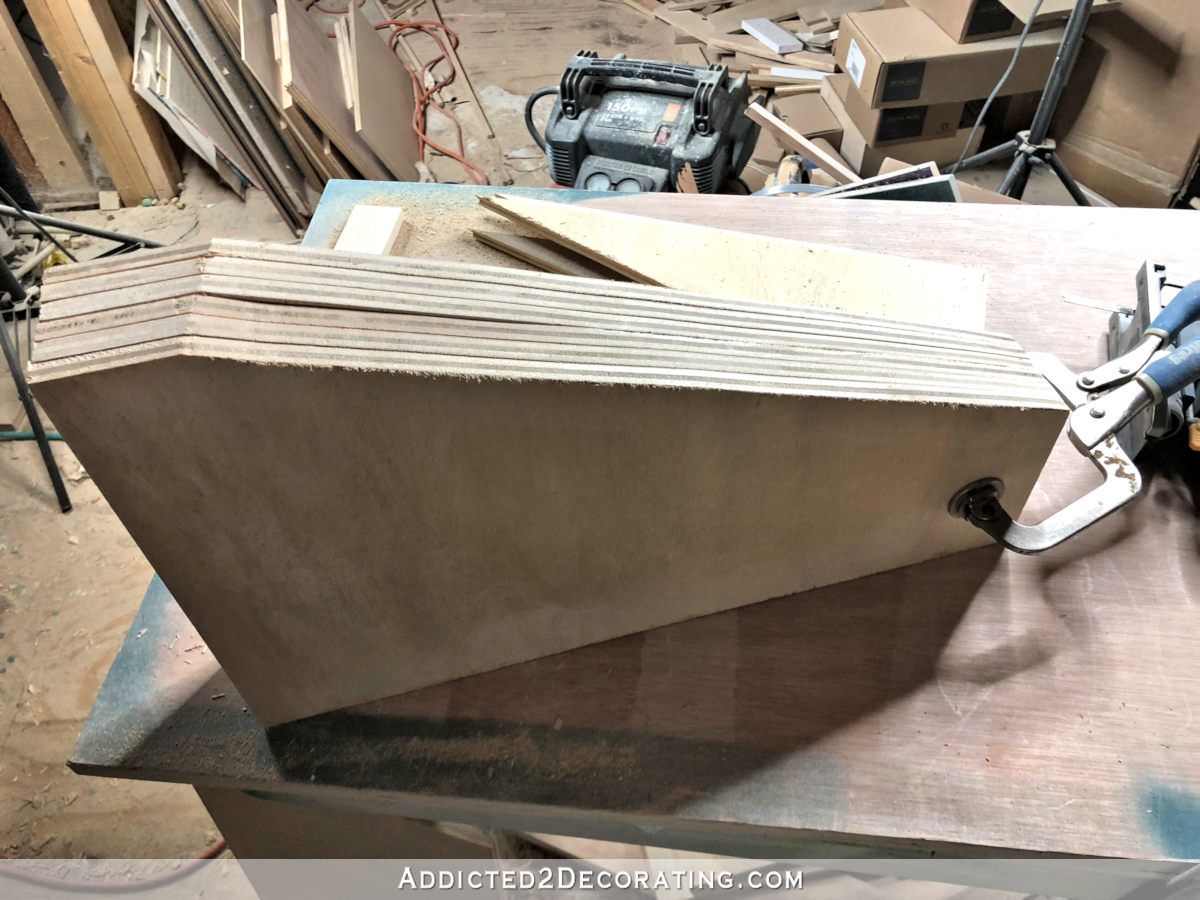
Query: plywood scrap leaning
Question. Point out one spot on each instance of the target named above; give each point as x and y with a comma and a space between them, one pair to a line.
382, 99
570, 460
311, 76
730, 264
90, 55
239, 102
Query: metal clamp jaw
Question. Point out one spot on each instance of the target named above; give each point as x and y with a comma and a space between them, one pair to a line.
979, 502
1116, 408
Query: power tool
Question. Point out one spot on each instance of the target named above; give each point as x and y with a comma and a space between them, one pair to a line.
632, 125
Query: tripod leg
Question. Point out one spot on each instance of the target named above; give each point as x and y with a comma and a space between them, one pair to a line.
1072, 186
987, 156
1017, 178
35, 421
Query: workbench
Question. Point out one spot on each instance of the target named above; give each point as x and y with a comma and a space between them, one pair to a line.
979, 705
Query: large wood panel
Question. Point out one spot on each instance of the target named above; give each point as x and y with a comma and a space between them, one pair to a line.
575, 460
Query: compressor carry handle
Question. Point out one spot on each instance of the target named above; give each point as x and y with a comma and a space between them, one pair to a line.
573, 90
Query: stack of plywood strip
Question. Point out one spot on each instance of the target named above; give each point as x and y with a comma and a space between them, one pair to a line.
363, 475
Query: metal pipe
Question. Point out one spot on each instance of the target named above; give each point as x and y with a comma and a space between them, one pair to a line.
13, 287
75, 227
1067, 51
42, 252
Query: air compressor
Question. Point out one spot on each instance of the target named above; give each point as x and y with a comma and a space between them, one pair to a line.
632, 125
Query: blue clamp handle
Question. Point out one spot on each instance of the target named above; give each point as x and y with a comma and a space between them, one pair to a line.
1175, 372
1179, 313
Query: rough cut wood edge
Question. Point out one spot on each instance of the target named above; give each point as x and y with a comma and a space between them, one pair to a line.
545, 254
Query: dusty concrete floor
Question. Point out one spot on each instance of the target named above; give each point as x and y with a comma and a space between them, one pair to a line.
70, 584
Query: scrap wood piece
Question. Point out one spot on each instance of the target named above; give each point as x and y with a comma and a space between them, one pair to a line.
732, 264
730, 20
54, 151
382, 98
238, 101
87, 49
372, 229
311, 76
686, 182
545, 254
753, 53
798, 143
776, 39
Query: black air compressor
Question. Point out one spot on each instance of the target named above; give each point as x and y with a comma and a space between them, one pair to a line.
633, 124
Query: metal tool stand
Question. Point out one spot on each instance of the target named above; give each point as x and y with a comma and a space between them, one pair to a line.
1033, 147
16, 293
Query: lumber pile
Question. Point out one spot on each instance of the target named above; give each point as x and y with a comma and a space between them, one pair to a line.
262, 92
779, 49
362, 475
90, 54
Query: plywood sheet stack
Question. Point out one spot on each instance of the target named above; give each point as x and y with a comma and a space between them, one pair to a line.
362, 475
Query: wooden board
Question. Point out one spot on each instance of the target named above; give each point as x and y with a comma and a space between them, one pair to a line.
382, 99
729, 20
545, 254
611, 445
311, 77
372, 229
257, 46
798, 143
56, 154
85, 44
694, 258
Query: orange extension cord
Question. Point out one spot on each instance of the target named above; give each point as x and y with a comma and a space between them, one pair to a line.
425, 97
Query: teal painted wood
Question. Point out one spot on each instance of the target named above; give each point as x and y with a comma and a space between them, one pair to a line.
419, 200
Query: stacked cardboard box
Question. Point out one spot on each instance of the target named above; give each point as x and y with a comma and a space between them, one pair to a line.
915, 77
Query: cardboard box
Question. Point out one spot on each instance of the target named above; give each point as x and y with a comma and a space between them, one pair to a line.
1127, 127
866, 160
899, 57
899, 124
810, 115
980, 20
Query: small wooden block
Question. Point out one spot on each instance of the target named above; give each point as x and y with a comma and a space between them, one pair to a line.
110, 200
372, 229
776, 39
